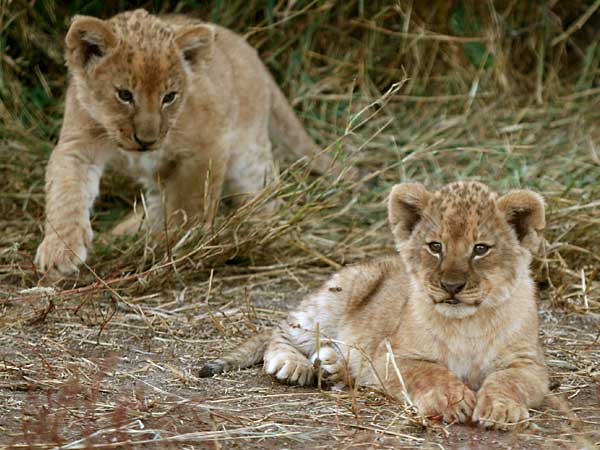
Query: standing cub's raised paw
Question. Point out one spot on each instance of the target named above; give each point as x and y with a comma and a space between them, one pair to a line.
62, 255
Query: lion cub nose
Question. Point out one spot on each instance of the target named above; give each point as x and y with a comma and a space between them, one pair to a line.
453, 287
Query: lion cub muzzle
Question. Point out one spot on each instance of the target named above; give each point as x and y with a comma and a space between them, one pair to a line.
145, 145
454, 285
147, 131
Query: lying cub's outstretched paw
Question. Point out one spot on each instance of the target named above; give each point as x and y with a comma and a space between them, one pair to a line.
291, 368
333, 369
453, 402
499, 412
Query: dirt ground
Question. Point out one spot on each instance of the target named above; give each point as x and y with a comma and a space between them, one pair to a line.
132, 383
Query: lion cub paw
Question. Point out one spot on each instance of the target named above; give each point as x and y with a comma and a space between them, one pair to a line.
288, 367
499, 411
453, 402
62, 255
332, 367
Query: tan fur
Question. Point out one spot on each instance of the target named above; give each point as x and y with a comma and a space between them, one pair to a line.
210, 136
469, 356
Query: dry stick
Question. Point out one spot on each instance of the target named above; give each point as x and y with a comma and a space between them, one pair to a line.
581, 94
426, 36
254, 30
382, 101
425, 98
391, 357
318, 360
353, 388
198, 436
146, 235
377, 430
213, 425
406, 26
377, 133
577, 25
316, 254
75, 291
105, 322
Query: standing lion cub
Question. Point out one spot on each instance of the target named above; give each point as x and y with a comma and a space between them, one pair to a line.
452, 318
187, 105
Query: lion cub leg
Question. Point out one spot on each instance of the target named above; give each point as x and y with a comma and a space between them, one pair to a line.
130, 225
251, 169
333, 366
191, 189
435, 391
289, 364
147, 215
296, 354
506, 395
286, 362
72, 184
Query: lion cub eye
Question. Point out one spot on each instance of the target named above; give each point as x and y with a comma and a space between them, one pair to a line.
435, 247
125, 95
169, 98
480, 249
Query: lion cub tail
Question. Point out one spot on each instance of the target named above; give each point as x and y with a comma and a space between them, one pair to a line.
285, 128
247, 354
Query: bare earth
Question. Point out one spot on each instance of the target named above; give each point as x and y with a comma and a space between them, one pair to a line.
134, 384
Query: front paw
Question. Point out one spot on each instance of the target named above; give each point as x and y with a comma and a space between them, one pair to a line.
332, 367
498, 411
453, 402
61, 255
289, 367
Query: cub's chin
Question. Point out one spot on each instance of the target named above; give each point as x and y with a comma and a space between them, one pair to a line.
457, 311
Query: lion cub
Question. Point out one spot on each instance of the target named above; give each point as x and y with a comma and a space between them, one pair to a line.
452, 318
186, 105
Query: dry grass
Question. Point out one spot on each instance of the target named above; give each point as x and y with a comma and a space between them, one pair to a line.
504, 92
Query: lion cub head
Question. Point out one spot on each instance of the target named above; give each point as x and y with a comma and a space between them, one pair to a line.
466, 247
132, 73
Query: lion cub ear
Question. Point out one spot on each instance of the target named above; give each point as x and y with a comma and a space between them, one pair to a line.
196, 42
88, 40
524, 212
406, 205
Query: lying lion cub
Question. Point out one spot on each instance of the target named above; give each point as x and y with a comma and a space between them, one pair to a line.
453, 317
187, 105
